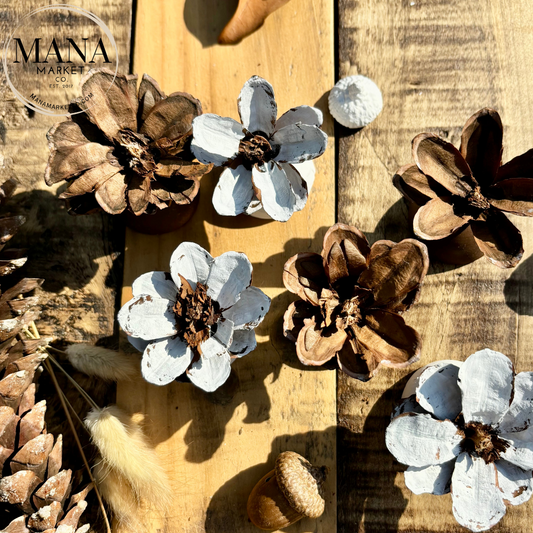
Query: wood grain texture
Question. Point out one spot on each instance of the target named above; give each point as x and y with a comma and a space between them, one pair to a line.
436, 63
79, 257
218, 446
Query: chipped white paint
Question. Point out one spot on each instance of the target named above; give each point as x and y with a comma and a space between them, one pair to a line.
156, 284
234, 191
151, 323
355, 101
294, 139
209, 374
215, 139
477, 501
420, 440
192, 262
257, 106
515, 483
164, 360
250, 309
520, 414
230, 274
299, 142
432, 479
486, 382
277, 197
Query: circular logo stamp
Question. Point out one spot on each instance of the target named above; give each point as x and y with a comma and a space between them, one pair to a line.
49, 52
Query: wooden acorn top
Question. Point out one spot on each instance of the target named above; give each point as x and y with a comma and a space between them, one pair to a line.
301, 483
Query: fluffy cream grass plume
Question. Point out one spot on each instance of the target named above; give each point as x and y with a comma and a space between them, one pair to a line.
103, 363
125, 449
119, 494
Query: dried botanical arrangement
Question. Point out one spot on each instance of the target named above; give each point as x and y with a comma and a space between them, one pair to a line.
130, 149
290, 492
352, 297
249, 16
195, 320
355, 101
463, 194
267, 159
127, 470
35, 492
469, 433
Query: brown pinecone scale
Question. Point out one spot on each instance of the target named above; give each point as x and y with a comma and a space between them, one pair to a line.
35, 493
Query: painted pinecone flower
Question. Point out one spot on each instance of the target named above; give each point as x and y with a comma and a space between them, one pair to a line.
195, 320
469, 190
130, 149
268, 160
469, 434
352, 297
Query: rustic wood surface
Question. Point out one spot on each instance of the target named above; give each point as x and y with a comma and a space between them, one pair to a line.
216, 447
80, 258
436, 64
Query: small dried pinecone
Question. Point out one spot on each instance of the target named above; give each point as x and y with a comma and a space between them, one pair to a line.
34, 491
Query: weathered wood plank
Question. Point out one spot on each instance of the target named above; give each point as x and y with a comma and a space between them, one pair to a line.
216, 448
436, 63
79, 258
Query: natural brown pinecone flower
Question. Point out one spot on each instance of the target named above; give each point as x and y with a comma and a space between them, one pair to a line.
352, 298
129, 149
468, 189
34, 491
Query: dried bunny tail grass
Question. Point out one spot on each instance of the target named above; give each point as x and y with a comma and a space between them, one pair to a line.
119, 495
124, 447
103, 363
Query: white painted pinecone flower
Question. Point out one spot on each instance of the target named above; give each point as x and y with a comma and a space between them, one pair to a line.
472, 429
268, 160
196, 319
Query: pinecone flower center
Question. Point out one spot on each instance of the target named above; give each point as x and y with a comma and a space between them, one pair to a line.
344, 313
134, 151
256, 149
196, 312
483, 441
350, 312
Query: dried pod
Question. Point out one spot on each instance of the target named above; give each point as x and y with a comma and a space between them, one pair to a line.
196, 319
468, 432
459, 198
268, 159
352, 298
249, 17
355, 101
129, 150
290, 492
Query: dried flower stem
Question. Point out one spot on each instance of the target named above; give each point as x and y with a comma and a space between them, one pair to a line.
34, 333
78, 443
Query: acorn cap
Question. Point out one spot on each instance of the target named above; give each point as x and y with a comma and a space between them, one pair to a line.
355, 101
301, 483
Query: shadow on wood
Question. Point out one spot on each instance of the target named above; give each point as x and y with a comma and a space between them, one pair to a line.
370, 500
227, 508
205, 19
517, 288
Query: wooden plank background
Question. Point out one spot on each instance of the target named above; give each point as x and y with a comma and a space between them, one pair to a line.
437, 62
216, 447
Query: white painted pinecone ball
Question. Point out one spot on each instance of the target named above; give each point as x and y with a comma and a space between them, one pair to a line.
355, 101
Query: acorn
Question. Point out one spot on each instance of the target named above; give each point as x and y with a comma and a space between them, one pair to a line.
290, 492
